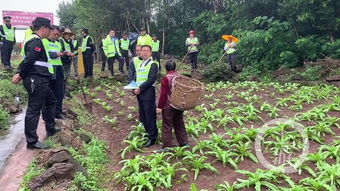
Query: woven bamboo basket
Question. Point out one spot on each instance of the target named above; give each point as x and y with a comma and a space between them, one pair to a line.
186, 93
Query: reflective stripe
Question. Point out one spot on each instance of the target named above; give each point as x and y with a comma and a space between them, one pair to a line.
45, 64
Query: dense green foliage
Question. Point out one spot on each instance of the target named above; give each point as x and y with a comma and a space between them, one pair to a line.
273, 33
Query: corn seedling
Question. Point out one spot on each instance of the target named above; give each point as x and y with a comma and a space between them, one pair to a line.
242, 150
112, 121
225, 187
259, 179
133, 144
198, 164
223, 156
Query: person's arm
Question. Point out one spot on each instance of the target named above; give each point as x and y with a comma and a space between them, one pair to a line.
33, 49
15, 40
187, 43
132, 72
164, 93
152, 77
2, 33
104, 47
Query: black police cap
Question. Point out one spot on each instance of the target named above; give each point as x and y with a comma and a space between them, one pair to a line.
85, 30
142, 29
41, 21
7, 17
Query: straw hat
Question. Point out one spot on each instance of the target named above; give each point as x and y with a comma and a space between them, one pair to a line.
226, 37
67, 31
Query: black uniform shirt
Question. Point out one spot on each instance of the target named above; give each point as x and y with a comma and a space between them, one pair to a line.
90, 44
34, 51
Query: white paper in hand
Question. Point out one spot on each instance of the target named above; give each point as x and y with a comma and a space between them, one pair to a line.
133, 85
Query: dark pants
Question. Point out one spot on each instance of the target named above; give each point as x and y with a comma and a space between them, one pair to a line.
173, 119
88, 64
193, 60
125, 55
39, 95
6, 52
157, 57
111, 60
231, 58
67, 66
57, 86
104, 59
147, 115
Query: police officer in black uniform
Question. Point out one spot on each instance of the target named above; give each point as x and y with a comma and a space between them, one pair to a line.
35, 71
7, 41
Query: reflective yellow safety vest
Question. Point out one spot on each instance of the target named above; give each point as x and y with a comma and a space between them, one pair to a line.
142, 72
230, 50
84, 46
53, 47
155, 46
66, 45
192, 41
75, 46
40, 63
9, 33
124, 44
28, 33
144, 40
111, 49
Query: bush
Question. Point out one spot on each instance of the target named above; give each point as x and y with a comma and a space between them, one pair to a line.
312, 73
8, 92
218, 71
4, 117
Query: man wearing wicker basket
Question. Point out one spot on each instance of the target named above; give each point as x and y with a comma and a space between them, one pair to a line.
172, 117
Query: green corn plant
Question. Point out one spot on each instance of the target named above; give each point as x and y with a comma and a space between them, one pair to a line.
242, 150
301, 167
130, 117
317, 157
192, 129
97, 101
129, 166
179, 152
313, 184
330, 174
133, 109
108, 94
139, 182
112, 121
229, 96
237, 136
219, 140
260, 178
199, 108
202, 145
208, 96
283, 101
164, 174
225, 120
331, 151
121, 93
138, 130
251, 133
225, 187
198, 164
98, 88
133, 144
223, 156
205, 125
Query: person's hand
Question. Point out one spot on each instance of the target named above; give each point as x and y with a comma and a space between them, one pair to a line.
16, 79
158, 110
136, 91
59, 54
72, 55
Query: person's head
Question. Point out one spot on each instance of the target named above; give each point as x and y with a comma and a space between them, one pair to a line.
230, 40
84, 32
41, 26
54, 33
154, 37
170, 65
139, 51
146, 52
67, 34
125, 36
7, 19
192, 33
112, 33
142, 31
73, 37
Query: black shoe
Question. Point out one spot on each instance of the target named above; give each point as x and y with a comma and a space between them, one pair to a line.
185, 145
149, 143
36, 145
60, 116
51, 133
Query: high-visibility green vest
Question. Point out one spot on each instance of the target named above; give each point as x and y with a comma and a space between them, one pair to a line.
66, 45
40, 63
192, 41
9, 33
124, 44
28, 33
53, 47
75, 46
84, 43
230, 50
142, 72
111, 49
144, 40
155, 46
